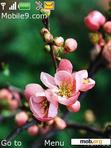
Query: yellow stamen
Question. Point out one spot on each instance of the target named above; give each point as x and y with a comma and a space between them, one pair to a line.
85, 81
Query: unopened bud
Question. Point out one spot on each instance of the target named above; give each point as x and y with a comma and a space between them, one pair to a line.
47, 48
33, 130
48, 37
94, 20
21, 118
70, 45
59, 41
44, 30
107, 27
60, 123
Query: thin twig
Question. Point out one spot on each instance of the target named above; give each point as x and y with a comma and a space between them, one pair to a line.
46, 23
18, 130
77, 126
73, 126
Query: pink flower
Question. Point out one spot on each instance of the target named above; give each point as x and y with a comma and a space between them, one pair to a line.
65, 85
74, 107
107, 27
42, 107
83, 82
62, 85
70, 45
21, 118
107, 51
94, 20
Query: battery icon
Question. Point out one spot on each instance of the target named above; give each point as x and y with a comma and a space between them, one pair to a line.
24, 6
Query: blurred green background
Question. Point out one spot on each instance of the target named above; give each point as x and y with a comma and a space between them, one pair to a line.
22, 48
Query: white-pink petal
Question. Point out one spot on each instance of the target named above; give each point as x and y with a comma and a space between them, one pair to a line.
32, 89
68, 101
53, 109
62, 77
87, 86
47, 80
74, 107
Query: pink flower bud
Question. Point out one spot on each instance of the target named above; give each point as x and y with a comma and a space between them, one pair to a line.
44, 30
60, 123
33, 130
107, 52
59, 41
107, 27
65, 65
48, 37
5, 94
94, 20
11, 97
74, 107
70, 45
21, 118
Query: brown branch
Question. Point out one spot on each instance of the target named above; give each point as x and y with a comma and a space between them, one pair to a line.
73, 126
94, 130
46, 23
18, 130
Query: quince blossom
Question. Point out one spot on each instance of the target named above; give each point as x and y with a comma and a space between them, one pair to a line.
43, 108
63, 88
66, 85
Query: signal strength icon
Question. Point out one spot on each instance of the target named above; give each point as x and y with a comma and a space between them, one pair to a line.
13, 6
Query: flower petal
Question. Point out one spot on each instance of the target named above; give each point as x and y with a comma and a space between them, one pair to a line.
82, 74
53, 109
51, 96
65, 65
47, 80
68, 101
74, 107
62, 77
36, 108
32, 90
88, 86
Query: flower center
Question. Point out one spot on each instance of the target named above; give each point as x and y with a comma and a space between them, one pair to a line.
66, 90
44, 106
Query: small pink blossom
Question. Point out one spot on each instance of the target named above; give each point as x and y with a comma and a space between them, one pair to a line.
107, 27
74, 107
70, 45
94, 20
43, 108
